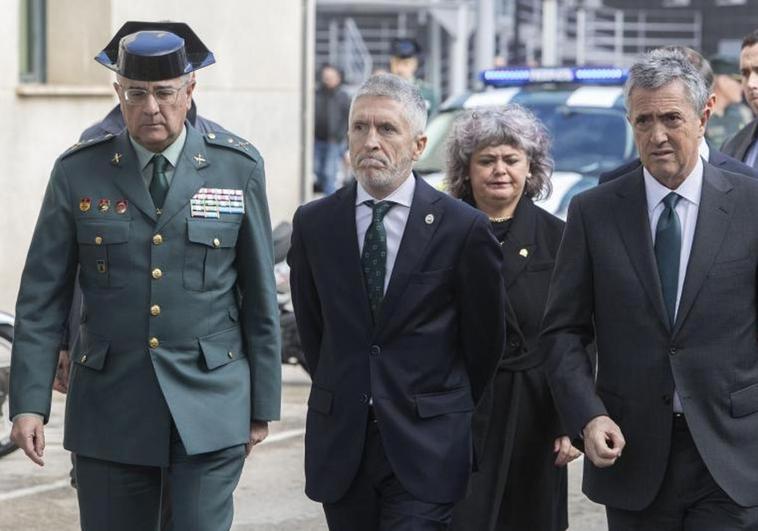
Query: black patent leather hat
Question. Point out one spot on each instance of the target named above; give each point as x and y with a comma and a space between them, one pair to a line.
153, 51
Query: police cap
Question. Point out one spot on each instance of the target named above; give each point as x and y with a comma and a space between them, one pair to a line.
153, 51
404, 48
722, 64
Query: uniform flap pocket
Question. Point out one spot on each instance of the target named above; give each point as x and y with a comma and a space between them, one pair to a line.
320, 400
433, 404
214, 234
102, 232
93, 354
745, 401
222, 348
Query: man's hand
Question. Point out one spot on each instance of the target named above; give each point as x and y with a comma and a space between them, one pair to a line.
60, 383
29, 434
603, 441
258, 432
565, 451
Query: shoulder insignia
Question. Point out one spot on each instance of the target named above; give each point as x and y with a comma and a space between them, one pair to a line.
232, 141
84, 144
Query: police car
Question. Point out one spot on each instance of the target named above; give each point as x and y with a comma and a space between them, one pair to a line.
582, 107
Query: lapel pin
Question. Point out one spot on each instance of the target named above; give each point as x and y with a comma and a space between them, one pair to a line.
121, 206
85, 203
523, 253
116, 160
199, 159
429, 219
103, 205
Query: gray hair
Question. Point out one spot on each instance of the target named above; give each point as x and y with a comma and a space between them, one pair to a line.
512, 125
660, 67
400, 90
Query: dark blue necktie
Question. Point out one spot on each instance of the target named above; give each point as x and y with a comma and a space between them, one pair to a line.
374, 256
668, 246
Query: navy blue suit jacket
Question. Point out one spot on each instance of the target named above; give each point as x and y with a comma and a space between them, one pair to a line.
716, 158
435, 345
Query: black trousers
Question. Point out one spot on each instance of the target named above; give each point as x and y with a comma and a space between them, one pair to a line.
121, 497
689, 499
376, 501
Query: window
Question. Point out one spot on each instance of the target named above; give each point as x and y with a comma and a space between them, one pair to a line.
33, 41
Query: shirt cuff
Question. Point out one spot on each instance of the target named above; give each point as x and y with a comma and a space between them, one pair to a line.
18, 416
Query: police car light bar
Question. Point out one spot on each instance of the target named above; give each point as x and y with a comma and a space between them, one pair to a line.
589, 75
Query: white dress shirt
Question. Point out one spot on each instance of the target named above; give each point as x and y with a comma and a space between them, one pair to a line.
687, 209
394, 221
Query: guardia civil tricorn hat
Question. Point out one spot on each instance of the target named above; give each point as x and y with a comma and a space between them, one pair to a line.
153, 51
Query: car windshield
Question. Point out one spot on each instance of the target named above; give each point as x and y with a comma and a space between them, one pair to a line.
584, 140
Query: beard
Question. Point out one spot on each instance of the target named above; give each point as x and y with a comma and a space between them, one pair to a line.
382, 178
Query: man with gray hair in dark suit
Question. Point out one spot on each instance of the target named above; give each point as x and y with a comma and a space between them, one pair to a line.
659, 268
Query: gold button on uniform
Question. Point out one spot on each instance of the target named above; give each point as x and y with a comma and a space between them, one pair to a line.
157, 273
84, 359
216, 243
157, 239
155, 310
153, 342
98, 240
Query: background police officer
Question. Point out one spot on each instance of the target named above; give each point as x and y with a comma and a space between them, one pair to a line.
177, 367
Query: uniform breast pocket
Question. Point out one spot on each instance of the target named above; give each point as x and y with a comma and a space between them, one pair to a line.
104, 256
209, 254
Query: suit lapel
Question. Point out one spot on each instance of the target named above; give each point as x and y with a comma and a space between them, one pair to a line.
634, 225
713, 217
187, 178
424, 218
746, 142
519, 244
128, 177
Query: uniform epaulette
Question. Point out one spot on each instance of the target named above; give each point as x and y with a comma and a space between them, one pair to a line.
83, 144
231, 141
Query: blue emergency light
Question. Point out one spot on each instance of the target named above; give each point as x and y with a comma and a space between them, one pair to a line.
524, 75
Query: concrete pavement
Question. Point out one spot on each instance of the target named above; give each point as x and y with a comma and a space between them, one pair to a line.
269, 497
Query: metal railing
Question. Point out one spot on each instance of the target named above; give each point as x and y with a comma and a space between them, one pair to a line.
356, 58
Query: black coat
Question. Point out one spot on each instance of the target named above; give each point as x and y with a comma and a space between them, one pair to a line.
517, 486
738, 145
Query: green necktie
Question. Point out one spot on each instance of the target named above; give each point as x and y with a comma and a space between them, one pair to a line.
159, 183
374, 257
668, 245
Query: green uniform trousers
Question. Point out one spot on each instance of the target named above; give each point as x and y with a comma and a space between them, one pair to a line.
122, 497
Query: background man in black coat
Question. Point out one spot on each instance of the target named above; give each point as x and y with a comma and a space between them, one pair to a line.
400, 306
744, 144
660, 265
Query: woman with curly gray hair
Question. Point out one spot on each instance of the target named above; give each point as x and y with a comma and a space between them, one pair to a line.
499, 161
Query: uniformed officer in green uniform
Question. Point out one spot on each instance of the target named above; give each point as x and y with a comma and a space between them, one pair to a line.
404, 54
177, 367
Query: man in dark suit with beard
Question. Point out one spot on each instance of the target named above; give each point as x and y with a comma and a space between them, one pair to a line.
660, 267
400, 306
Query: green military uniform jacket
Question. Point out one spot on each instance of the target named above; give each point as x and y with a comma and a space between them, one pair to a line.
179, 320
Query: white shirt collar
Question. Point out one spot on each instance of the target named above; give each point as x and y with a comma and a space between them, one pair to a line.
690, 189
403, 194
704, 149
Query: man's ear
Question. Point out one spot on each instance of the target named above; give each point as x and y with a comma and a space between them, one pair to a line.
420, 146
